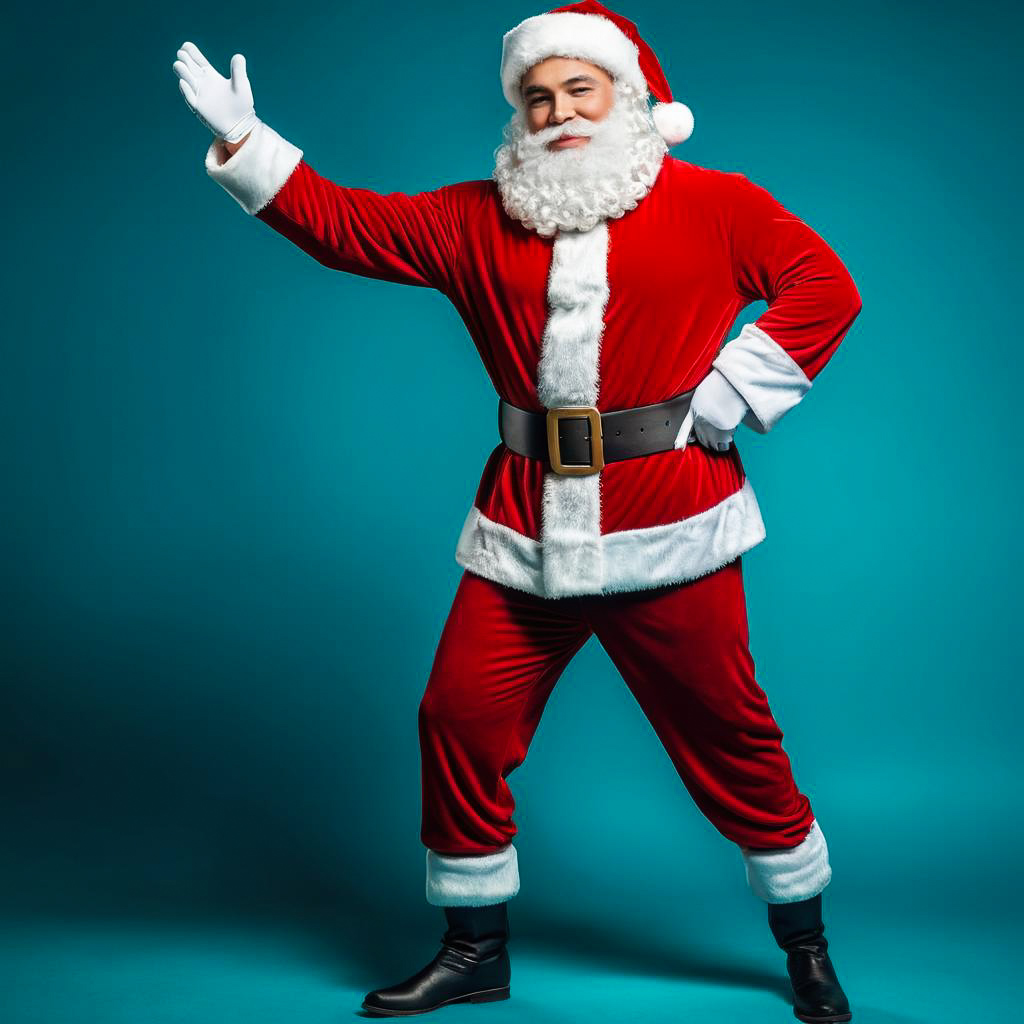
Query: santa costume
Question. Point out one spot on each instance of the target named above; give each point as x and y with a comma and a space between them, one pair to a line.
616, 307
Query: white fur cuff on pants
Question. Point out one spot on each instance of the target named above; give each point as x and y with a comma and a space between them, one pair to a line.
472, 881
789, 875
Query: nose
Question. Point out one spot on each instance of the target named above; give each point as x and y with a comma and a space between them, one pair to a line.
562, 110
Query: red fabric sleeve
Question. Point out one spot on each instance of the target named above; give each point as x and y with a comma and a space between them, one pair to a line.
812, 300
407, 239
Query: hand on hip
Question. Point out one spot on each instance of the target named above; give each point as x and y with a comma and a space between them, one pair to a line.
715, 412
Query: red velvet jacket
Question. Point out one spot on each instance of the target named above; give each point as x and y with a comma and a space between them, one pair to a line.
630, 313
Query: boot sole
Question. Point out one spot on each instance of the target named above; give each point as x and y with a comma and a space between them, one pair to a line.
832, 1018
488, 995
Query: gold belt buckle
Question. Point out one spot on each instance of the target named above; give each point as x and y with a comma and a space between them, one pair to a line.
576, 412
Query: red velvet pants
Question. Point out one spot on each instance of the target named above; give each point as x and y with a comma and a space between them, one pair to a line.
683, 652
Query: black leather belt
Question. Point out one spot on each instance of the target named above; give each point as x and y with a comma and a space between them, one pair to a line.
579, 440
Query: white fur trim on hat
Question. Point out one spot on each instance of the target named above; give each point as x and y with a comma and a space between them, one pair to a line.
589, 37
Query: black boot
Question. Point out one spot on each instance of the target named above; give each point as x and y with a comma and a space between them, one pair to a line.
471, 966
798, 929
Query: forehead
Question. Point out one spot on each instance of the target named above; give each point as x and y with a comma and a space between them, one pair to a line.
556, 71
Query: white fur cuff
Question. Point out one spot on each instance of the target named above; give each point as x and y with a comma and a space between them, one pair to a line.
789, 875
765, 374
257, 171
472, 881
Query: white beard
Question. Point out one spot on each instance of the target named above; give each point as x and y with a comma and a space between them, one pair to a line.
574, 189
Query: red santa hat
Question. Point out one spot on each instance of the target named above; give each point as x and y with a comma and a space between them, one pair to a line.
591, 32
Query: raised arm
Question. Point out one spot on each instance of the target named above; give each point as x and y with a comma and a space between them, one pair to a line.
408, 239
812, 301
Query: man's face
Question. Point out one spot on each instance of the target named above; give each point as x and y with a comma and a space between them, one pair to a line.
560, 88
616, 149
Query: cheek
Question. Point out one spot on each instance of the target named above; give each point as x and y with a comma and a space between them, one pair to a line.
595, 107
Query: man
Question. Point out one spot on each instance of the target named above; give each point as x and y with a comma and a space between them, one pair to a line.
597, 277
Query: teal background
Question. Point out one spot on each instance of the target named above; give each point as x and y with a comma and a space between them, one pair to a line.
220, 610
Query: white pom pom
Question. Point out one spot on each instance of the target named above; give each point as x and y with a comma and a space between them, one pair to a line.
674, 121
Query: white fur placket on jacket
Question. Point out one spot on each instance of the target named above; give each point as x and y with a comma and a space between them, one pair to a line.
567, 374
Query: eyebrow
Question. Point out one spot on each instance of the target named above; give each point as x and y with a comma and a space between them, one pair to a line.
575, 78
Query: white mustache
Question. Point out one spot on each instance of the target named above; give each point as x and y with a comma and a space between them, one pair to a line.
583, 129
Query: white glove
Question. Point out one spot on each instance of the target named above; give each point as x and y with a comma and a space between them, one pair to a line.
224, 105
716, 410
